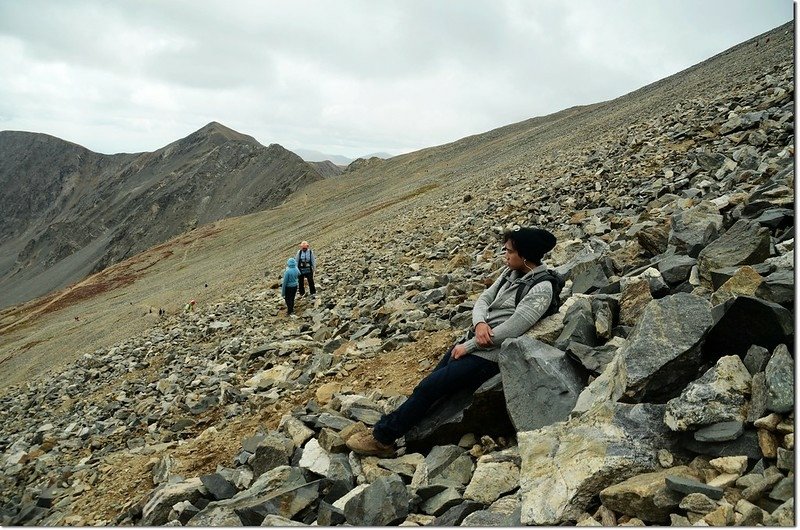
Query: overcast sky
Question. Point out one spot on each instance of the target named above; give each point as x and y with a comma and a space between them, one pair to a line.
342, 77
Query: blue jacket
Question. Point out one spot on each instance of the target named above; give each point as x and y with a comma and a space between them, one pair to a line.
290, 275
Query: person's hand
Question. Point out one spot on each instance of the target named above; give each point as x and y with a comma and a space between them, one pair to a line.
483, 335
458, 351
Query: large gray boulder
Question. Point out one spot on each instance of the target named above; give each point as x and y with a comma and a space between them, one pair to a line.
565, 465
382, 503
541, 385
745, 243
663, 351
693, 229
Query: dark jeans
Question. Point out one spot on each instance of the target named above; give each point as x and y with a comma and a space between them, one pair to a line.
289, 297
449, 376
310, 276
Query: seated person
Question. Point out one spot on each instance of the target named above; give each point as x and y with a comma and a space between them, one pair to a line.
473, 360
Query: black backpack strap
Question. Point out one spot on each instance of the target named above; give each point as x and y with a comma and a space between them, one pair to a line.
527, 285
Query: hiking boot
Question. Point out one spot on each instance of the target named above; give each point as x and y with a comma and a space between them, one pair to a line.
363, 443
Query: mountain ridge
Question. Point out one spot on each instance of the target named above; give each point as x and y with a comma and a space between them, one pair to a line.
80, 211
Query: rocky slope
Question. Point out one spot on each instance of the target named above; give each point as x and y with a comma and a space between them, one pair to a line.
662, 393
68, 212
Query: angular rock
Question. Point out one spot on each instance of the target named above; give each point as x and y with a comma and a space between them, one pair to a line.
780, 380
445, 465
746, 444
579, 327
492, 480
588, 279
158, 505
315, 458
594, 360
720, 395
272, 451
756, 359
456, 514
664, 347
688, 486
720, 432
746, 282
328, 515
540, 384
778, 288
758, 397
635, 298
296, 430
654, 239
675, 268
573, 461
730, 464
441, 502
785, 459
608, 387
642, 496
340, 477
692, 230
744, 243
286, 502
382, 503
218, 487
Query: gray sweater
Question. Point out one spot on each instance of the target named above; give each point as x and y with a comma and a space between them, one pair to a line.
495, 306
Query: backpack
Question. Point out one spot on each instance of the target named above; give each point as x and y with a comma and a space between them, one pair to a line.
549, 275
304, 263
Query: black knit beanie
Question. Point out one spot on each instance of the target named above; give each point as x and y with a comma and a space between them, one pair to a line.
531, 243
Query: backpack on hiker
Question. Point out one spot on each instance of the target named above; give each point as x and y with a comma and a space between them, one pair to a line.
304, 260
549, 275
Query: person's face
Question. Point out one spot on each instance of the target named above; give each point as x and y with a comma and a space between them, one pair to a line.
513, 260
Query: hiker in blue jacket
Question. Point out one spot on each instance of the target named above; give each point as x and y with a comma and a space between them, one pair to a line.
307, 263
291, 276
499, 314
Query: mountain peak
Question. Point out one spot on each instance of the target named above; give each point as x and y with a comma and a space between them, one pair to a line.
217, 133
216, 126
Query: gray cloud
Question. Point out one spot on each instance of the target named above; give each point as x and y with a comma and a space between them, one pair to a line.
343, 77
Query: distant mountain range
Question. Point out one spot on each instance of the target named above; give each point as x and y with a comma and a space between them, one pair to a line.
68, 211
309, 155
